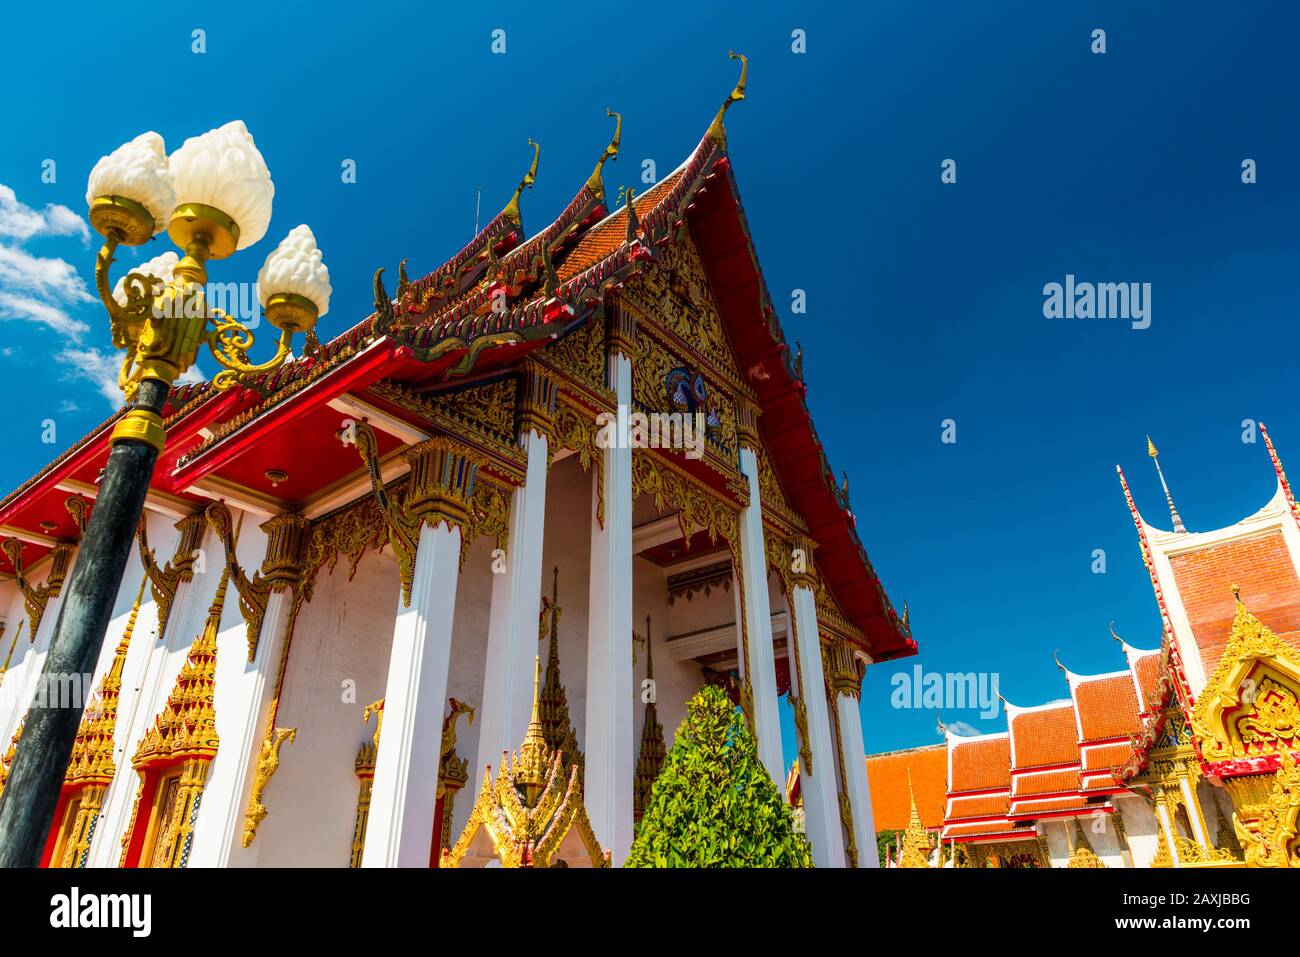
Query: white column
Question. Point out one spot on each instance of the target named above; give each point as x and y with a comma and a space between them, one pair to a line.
400, 828
610, 699
512, 622
757, 612
864, 827
818, 788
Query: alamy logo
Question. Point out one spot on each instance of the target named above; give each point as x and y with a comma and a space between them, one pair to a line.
945, 690
652, 430
1101, 300
74, 909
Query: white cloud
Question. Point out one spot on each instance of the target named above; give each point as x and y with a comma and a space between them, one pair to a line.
961, 728
21, 222
100, 368
13, 306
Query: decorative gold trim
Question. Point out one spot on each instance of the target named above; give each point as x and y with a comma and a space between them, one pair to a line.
37, 597
163, 582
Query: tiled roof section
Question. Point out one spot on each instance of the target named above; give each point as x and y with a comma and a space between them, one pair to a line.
888, 775
974, 830
986, 805
1045, 782
609, 234
1261, 565
1103, 757
1147, 669
1045, 736
1108, 707
980, 764
1048, 806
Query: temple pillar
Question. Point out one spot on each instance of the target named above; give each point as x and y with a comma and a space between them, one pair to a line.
610, 762
399, 827
817, 773
1190, 801
844, 686
247, 686
1167, 826
753, 610
517, 590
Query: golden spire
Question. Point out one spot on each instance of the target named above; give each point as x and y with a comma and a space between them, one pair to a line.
594, 182
511, 211
1151, 451
534, 760
717, 130
92, 750
915, 850
553, 702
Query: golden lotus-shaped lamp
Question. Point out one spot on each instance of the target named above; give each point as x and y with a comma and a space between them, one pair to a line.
294, 285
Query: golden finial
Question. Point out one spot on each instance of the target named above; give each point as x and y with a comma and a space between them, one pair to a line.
534, 763
1173, 512
1056, 656
594, 182
717, 130
1236, 592
1112, 632
511, 211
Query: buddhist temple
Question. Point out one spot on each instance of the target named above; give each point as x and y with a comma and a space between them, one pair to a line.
1184, 754
348, 568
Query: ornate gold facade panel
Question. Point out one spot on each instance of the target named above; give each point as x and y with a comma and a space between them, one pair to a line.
1266, 809
673, 294
673, 489
365, 771
482, 416
1249, 705
667, 382
580, 357
843, 669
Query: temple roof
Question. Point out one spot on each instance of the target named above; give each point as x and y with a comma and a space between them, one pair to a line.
888, 775
440, 330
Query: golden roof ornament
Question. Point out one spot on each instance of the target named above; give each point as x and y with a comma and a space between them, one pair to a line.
511, 211
717, 129
595, 182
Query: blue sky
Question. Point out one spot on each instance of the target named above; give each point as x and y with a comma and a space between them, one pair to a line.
924, 298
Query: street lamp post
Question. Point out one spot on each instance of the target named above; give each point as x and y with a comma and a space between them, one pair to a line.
213, 196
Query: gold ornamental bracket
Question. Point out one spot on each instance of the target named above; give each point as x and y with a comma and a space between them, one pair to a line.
164, 581
37, 597
282, 568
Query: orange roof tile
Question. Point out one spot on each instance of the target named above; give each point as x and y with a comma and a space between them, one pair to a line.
1147, 669
1047, 805
1261, 565
1108, 707
1045, 736
971, 830
985, 805
888, 776
1106, 756
980, 763
1045, 782
607, 235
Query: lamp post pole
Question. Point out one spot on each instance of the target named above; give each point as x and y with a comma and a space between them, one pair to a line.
213, 196
31, 796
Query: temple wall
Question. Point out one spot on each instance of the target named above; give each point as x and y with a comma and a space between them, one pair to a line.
342, 636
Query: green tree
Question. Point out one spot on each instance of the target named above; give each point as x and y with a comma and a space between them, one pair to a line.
713, 803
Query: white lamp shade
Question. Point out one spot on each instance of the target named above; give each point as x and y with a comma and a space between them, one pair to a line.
223, 169
137, 171
296, 266
160, 267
